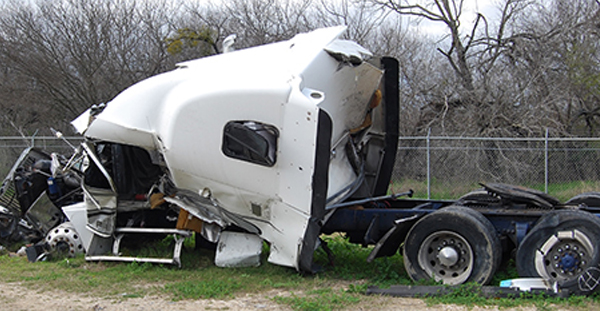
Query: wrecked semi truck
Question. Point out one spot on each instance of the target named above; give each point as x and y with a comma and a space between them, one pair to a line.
258, 140
284, 142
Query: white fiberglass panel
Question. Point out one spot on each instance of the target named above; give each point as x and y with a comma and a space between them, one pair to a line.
298, 146
348, 92
131, 117
193, 137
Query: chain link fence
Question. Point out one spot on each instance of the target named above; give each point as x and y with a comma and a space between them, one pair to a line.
445, 167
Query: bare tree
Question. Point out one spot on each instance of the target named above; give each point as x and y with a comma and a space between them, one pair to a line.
552, 60
535, 67
447, 12
364, 20
499, 65
254, 22
63, 56
71, 54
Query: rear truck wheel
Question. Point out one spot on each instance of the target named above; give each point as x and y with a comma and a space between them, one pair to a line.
561, 247
454, 245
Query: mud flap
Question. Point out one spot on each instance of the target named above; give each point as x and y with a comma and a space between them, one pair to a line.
308, 247
388, 245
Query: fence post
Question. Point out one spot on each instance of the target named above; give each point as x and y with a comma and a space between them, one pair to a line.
546, 162
428, 165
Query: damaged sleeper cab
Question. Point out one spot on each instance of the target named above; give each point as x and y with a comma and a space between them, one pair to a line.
250, 146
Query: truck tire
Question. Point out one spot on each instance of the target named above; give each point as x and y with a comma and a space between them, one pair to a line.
495, 242
561, 247
454, 245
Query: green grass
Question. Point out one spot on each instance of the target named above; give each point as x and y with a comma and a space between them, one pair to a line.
341, 286
350, 264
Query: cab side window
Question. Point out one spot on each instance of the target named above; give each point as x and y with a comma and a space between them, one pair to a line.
250, 141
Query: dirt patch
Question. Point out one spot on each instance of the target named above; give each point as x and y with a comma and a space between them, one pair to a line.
14, 296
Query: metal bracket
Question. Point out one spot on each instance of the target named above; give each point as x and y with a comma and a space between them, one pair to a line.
521, 229
178, 235
373, 226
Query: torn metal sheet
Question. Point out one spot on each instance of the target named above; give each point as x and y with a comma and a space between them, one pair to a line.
348, 51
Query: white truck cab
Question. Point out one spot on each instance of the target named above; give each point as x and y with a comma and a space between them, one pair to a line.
262, 140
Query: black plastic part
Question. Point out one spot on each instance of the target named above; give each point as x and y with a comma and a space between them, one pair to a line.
133, 170
391, 99
518, 194
29, 186
479, 197
590, 199
320, 184
34, 251
130, 167
389, 244
436, 291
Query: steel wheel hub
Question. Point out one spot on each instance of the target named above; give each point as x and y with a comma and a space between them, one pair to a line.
65, 239
564, 255
447, 256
